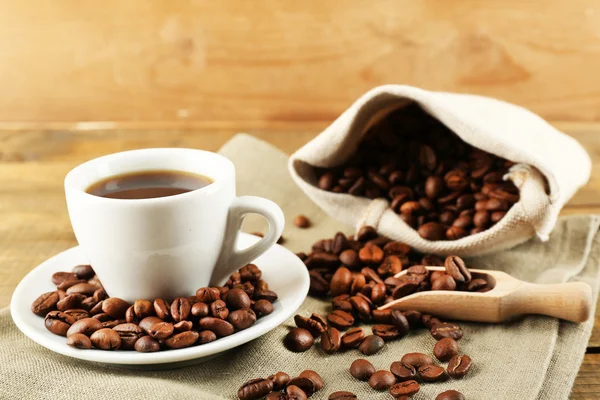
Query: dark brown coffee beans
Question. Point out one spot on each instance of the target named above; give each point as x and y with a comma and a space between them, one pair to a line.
445, 349
406, 388
305, 384
58, 322
115, 307
242, 319
79, 341
301, 221
45, 303
262, 308
446, 330
340, 319
386, 332
403, 371
298, 340
457, 269
315, 324
416, 359
314, 377
362, 369
146, 344
431, 373
106, 339
129, 334
459, 366
331, 340
86, 326
280, 380
353, 338
450, 395
295, 393
382, 380
220, 327
371, 345
342, 395
341, 282
255, 389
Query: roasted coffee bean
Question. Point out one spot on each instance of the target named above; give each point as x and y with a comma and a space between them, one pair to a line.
459, 366
280, 380
250, 272
301, 221
382, 380
457, 269
319, 286
331, 340
358, 283
406, 388
99, 295
450, 395
58, 322
265, 295
103, 317
242, 319
314, 377
342, 395
88, 303
352, 338
79, 341
305, 384
414, 318
206, 337
66, 285
208, 294
86, 326
350, 258
183, 326
86, 289
97, 308
60, 277
112, 323
378, 293
398, 319
298, 340
416, 359
70, 301
444, 282
262, 308
386, 332
445, 349
315, 324
431, 373
432, 231
255, 389
237, 299
371, 275
404, 289
366, 298
429, 321
157, 328
403, 371
362, 369
146, 344
476, 284
218, 309
200, 310
129, 334
360, 307
371, 254
340, 319
83, 271
342, 302
382, 316
115, 307
220, 327
293, 392
341, 282
391, 265
162, 309
446, 330
76, 314
371, 345
182, 340
181, 307
106, 339
143, 309
44, 304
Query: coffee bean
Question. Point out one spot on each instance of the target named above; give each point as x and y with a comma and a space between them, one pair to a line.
86, 326
298, 340
446, 330
416, 359
342, 302
129, 334
255, 389
319, 286
386, 332
406, 388
341, 282
70, 301
106, 339
350, 258
58, 322
97, 308
83, 271
382, 380
429, 321
265, 295
340, 319
457, 269
459, 366
295, 393
432, 231
112, 323
206, 337
362, 369
262, 308
431, 373
115, 307
86, 289
88, 303
326, 181
314, 377
44, 304
352, 338
301, 221
220, 327
79, 341
342, 395
77, 314
371, 254
208, 294
404, 289
476, 284
414, 318
182, 340
146, 344
382, 316
361, 307
444, 282
315, 324
157, 328
60, 277
181, 308
218, 309
183, 326
358, 283
400, 322
200, 310
450, 395
237, 299
371, 345
99, 295
242, 319
280, 380
331, 340
403, 371
445, 349
305, 384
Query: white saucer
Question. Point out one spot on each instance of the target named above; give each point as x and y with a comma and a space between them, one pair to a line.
282, 269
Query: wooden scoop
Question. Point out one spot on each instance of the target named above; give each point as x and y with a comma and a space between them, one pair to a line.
508, 297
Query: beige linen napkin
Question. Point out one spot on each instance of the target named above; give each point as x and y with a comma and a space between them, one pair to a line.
530, 358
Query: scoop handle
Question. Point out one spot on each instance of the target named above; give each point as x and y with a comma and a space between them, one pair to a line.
571, 301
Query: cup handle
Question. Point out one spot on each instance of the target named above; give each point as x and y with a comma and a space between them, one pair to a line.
231, 259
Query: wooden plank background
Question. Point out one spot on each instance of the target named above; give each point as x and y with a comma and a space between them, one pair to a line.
140, 61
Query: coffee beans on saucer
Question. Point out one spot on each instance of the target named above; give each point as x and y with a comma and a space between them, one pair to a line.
81, 310
438, 184
280, 386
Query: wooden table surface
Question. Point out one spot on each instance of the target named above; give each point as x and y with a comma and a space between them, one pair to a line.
34, 222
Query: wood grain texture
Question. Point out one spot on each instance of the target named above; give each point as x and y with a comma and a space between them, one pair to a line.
587, 383
268, 60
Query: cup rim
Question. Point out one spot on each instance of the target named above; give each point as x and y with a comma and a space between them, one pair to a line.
213, 187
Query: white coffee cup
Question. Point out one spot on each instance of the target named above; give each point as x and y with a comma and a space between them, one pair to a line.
168, 246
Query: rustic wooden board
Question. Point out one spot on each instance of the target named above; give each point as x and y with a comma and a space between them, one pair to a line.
187, 60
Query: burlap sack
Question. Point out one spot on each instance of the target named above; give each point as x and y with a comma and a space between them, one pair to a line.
500, 128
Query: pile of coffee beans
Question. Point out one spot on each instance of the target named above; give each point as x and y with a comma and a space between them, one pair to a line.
81, 310
281, 386
437, 183
402, 378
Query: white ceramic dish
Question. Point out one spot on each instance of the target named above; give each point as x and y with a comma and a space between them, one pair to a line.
285, 273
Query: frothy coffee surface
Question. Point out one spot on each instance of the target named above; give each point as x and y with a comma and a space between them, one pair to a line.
148, 184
